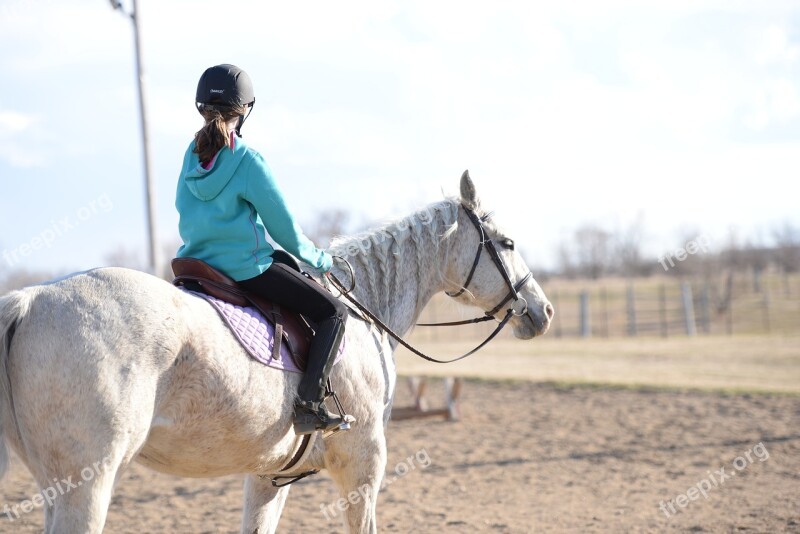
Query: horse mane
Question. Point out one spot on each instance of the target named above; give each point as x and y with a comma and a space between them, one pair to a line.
378, 253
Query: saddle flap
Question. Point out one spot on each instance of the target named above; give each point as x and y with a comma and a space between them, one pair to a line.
296, 333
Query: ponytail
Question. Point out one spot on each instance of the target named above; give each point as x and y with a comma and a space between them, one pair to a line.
214, 134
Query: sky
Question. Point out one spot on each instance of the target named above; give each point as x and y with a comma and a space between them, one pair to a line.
679, 117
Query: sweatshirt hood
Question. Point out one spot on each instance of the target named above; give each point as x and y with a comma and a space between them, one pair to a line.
207, 184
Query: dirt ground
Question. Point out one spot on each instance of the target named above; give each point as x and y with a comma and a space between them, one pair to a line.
526, 457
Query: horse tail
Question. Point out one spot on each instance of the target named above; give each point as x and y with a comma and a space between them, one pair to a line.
13, 308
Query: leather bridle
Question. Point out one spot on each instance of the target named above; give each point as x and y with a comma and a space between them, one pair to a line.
513, 293
491, 249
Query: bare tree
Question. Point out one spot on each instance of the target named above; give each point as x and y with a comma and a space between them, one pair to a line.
19, 278
732, 255
329, 224
627, 246
787, 245
566, 262
124, 257
593, 251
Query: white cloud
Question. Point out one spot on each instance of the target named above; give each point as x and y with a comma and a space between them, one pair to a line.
774, 47
12, 122
778, 102
15, 128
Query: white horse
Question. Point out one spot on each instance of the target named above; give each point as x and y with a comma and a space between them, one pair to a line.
112, 365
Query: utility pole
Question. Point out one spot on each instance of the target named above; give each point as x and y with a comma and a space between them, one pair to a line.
154, 260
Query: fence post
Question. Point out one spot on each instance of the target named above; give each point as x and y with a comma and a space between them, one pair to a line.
705, 313
557, 325
604, 296
688, 309
766, 310
631, 298
756, 279
729, 290
662, 310
586, 327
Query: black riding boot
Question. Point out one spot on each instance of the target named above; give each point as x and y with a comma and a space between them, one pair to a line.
310, 413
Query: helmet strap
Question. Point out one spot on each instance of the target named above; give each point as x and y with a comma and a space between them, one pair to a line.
243, 118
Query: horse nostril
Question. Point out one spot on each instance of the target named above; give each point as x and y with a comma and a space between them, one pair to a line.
549, 310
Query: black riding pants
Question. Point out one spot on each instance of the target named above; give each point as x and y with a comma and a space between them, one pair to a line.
291, 290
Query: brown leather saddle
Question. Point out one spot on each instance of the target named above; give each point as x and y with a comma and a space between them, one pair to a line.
290, 328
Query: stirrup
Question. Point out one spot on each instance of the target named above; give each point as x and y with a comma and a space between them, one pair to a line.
312, 416
347, 419
345, 425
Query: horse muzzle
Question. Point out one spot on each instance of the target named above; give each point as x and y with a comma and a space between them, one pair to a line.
534, 322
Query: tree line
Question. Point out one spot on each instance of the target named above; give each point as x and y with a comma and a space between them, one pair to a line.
595, 252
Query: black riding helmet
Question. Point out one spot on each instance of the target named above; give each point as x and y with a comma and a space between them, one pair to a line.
224, 86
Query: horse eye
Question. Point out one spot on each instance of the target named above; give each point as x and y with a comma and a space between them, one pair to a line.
507, 243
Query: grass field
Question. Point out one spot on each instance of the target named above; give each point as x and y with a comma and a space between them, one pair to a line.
719, 363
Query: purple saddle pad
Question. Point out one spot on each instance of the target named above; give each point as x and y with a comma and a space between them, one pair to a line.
255, 333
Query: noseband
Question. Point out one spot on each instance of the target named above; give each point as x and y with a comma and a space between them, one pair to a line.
513, 293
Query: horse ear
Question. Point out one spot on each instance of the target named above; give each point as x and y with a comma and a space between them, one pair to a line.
468, 195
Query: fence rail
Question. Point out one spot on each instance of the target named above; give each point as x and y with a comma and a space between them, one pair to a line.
656, 306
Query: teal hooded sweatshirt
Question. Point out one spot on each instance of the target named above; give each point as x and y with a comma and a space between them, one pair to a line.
227, 211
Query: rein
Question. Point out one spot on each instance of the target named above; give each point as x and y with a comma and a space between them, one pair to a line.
488, 316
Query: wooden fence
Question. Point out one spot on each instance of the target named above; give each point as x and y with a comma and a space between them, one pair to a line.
656, 306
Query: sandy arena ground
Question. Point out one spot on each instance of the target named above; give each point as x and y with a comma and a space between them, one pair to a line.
526, 457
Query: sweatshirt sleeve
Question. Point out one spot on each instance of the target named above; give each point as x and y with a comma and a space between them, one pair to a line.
262, 192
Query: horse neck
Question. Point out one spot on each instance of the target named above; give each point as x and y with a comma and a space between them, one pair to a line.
399, 267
